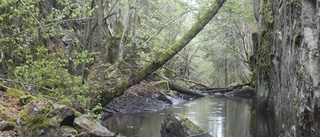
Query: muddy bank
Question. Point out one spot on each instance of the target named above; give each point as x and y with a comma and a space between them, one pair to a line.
142, 98
145, 98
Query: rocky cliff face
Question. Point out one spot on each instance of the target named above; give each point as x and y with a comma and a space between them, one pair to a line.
287, 64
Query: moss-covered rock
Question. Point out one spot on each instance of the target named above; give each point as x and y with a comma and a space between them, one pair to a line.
89, 125
4, 115
180, 126
15, 92
40, 118
45, 118
68, 131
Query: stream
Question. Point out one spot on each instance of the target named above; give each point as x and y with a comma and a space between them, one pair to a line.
222, 117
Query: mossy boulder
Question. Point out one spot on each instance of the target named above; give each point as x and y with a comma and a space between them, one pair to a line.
180, 126
45, 118
91, 127
40, 118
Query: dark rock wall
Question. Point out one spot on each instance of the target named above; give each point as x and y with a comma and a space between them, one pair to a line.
287, 64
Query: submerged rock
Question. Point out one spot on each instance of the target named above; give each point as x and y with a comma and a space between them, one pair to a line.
181, 126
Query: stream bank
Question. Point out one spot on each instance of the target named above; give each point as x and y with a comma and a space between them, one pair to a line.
146, 97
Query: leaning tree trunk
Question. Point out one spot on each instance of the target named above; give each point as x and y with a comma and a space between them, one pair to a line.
173, 50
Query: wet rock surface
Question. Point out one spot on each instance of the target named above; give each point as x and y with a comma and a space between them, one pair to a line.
180, 126
90, 126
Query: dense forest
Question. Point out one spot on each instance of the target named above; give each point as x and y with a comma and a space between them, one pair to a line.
84, 54
73, 49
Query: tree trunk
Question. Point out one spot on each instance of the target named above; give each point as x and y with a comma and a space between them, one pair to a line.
173, 50
124, 33
180, 89
100, 44
225, 72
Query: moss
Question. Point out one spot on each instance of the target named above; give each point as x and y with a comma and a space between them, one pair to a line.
4, 115
41, 119
27, 99
77, 113
116, 92
15, 92
162, 84
69, 131
245, 87
193, 128
121, 87
267, 12
296, 38
66, 102
264, 55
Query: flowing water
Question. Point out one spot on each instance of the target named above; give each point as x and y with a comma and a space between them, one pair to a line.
222, 117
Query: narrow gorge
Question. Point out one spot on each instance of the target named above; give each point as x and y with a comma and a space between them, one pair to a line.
286, 64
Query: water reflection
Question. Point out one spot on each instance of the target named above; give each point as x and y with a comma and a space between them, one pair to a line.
222, 117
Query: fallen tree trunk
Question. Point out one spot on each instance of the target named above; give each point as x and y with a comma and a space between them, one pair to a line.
183, 90
160, 61
212, 91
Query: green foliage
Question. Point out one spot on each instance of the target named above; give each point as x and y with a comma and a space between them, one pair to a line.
224, 45
96, 111
51, 72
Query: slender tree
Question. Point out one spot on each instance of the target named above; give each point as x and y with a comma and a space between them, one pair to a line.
101, 46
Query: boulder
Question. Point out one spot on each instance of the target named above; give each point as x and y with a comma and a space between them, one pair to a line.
180, 126
92, 127
45, 118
